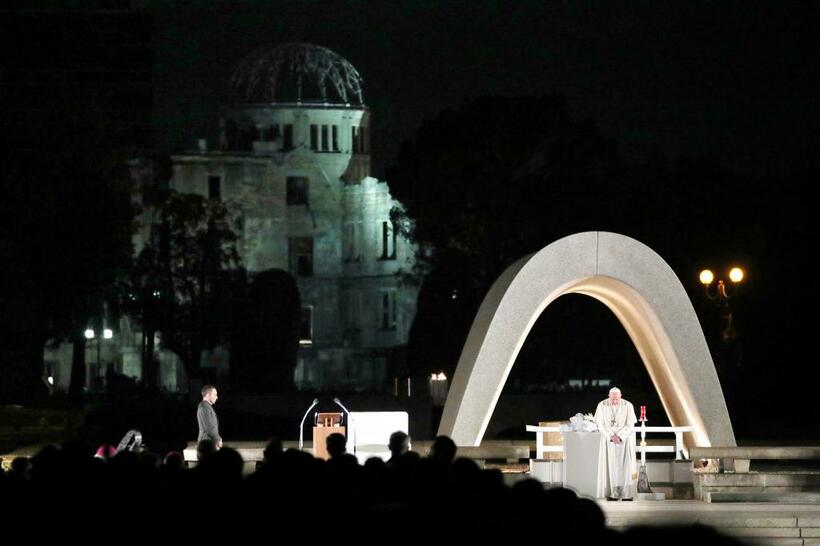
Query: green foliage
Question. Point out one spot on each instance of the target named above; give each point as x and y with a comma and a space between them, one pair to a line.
265, 342
188, 279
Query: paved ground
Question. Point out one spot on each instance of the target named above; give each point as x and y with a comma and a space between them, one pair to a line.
755, 524
683, 507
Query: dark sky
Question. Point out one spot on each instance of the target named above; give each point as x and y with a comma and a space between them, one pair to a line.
735, 79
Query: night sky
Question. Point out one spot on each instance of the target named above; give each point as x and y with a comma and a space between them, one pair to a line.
735, 80
732, 80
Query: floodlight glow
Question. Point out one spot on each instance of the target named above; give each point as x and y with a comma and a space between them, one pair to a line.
89, 334
706, 277
736, 274
108, 333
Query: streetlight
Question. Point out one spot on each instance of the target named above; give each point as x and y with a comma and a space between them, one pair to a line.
731, 352
91, 334
721, 296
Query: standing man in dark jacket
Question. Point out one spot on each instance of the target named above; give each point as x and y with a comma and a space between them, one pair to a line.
206, 417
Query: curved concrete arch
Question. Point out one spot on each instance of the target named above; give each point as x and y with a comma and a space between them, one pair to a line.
641, 290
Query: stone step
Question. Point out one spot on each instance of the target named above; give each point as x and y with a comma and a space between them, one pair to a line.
759, 479
769, 541
780, 497
734, 521
749, 523
748, 452
775, 536
654, 496
772, 541
783, 530
759, 532
740, 489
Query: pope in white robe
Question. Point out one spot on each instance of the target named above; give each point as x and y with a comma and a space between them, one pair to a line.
617, 469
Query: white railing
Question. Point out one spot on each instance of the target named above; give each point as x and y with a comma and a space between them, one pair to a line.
640, 447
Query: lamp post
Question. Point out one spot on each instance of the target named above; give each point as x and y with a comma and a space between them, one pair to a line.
721, 294
91, 334
731, 352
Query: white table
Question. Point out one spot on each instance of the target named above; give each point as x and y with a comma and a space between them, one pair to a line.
371, 430
580, 472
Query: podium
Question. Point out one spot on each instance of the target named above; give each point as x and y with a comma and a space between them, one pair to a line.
581, 453
324, 425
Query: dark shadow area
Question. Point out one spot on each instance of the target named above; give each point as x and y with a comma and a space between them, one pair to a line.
575, 351
443, 496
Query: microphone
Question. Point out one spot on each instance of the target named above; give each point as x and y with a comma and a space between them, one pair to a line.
350, 424
339, 403
301, 425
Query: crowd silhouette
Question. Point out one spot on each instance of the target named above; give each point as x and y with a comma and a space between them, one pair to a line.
407, 497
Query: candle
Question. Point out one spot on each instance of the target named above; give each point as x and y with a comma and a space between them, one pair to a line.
643, 413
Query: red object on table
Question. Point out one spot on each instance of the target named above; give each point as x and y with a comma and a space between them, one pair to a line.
643, 413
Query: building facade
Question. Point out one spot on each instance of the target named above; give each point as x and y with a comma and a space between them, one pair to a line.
293, 163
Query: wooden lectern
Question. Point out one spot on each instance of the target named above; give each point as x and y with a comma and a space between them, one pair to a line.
325, 425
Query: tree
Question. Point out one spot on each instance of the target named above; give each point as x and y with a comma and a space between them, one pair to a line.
266, 340
66, 222
187, 280
484, 185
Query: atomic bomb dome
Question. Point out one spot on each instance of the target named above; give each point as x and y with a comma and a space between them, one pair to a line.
293, 164
296, 73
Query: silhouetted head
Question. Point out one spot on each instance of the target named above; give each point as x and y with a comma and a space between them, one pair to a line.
336, 444
20, 467
47, 463
173, 460
149, 460
273, 450
589, 517
374, 465
443, 449
205, 448
227, 465
399, 443
465, 473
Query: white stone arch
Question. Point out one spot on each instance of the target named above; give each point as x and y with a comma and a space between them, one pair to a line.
638, 286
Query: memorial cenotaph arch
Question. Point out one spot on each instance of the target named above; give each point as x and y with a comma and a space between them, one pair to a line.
643, 292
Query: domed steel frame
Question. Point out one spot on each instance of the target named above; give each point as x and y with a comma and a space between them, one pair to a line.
265, 74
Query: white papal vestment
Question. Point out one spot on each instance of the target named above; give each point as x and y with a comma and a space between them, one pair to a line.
617, 471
